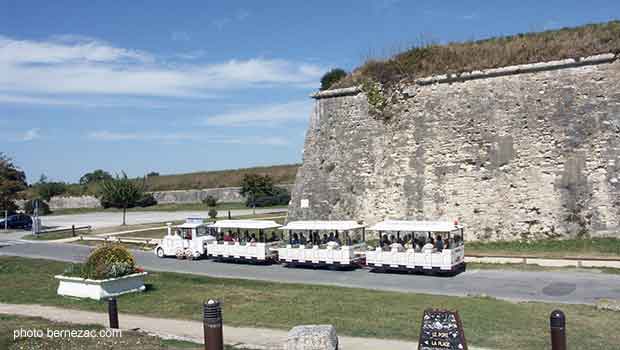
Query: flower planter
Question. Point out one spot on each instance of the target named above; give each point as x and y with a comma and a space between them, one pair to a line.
100, 289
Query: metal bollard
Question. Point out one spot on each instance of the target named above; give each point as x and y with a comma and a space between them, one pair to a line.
557, 322
212, 322
113, 312
73, 230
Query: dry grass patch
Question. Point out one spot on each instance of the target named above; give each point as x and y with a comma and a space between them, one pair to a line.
517, 49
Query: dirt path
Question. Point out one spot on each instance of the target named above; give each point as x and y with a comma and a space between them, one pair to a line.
192, 330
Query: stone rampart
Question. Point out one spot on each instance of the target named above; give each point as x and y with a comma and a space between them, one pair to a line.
517, 152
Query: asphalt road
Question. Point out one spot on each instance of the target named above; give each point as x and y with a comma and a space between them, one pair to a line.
108, 219
557, 287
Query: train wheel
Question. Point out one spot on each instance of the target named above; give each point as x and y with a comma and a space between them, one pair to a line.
179, 254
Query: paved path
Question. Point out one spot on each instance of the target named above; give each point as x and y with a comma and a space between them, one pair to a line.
556, 287
192, 330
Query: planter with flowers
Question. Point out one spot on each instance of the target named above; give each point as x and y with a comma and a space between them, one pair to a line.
109, 271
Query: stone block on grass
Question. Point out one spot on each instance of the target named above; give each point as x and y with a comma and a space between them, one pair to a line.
312, 337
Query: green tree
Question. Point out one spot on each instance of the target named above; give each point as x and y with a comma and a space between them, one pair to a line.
255, 186
12, 181
95, 176
210, 201
121, 193
331, 77
47, 190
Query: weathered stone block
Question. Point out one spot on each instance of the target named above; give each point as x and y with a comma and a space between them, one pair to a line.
312, 337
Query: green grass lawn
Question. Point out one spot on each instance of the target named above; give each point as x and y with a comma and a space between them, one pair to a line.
158, 207
128, 340
358, 312
596, 247
55, 235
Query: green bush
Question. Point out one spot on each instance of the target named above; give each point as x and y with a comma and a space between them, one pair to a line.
44, 208
109, 261
210, 201
148, 200
332, 77
279, 196
47, 190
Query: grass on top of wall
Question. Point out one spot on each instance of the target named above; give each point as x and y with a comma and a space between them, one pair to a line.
432, 59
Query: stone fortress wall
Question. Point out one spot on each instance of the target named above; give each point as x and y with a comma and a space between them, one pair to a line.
520, 152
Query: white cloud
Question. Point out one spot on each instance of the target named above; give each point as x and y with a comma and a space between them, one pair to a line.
64, 49
80, 66
30, 135
79, 102
105, 135
263, 115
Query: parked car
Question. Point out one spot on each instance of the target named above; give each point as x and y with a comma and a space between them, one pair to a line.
18, 221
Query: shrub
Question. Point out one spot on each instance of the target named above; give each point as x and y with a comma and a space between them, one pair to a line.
279, 196
332, 77
95, 177
212, 213
109, 261
210, 201
44, 208
147, 200
47, 190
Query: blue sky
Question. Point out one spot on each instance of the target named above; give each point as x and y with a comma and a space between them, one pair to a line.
185, 86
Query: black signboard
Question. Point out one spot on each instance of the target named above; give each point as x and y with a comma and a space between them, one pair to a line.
441, 330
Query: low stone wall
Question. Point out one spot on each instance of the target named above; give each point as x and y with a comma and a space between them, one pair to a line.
224, 194
74, 202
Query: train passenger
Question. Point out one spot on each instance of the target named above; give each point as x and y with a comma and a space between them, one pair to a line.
324, 240
253, 238
337, 239
429, 246
302, 239
228, 237
295, 239
439, 243
385, 241
273, 238
417, 245
331, 237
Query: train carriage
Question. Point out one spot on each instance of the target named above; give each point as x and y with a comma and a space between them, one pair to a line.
248, 245
413, 256
337, 249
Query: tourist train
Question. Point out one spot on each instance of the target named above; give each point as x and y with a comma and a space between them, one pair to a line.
395, 245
